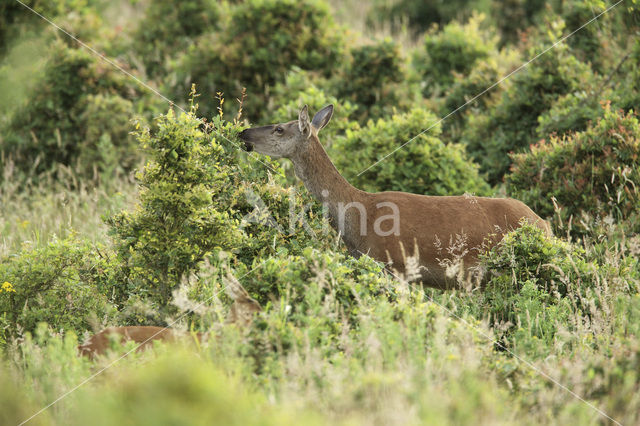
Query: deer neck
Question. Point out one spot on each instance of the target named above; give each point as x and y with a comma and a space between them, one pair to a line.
321, 178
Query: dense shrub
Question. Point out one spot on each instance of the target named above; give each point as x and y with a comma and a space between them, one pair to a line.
198, 199
587, 42
77, 116
168, 28
18, 21
315, 297
175, 226
424, 166
420, 14
298, 89
262, 41
514, 17
370, 79
371, 82
307, 281
569, 113
66, 283
536, 283
454, 50
594, 171
483, 76
511, 125
627, 89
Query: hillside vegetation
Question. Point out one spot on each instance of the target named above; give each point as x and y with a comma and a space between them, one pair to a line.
120, 208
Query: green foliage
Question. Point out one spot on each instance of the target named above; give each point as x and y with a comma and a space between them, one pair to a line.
536, 283
468, 95
175, 225
463, 89
338, 339
569, 113
14, 404
370, 79
262, 41
189, 389
424, 166
628, 85
511, 125
16, 20
594, 171
197, 199
526, 254
65, 283
77, 117
454, 50
314, 280
313, 298
587, 42
168, 28
300, 88
420, 14
369, 84
513, 17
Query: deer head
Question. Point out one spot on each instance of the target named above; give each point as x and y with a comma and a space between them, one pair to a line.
285, 140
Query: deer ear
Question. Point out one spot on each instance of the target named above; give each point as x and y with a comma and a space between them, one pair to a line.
322, 117
303, 122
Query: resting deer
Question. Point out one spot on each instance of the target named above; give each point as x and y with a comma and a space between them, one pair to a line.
415, 235
241, 313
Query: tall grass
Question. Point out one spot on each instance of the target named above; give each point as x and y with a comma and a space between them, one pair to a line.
32, 213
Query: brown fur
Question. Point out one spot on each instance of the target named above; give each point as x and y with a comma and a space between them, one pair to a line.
241, 313
445, 234
99, 343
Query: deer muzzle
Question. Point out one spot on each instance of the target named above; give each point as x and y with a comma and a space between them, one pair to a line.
248, 146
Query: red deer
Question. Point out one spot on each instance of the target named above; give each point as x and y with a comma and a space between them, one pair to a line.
432, 239
242, 311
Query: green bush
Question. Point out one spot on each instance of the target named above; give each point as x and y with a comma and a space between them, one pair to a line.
300, 88
308, 280
587, 43
424, 166
175, 225
536, 283
168, 28
261, 42
65, 284
569, 113
454, 50
420, 14
17, 21
483, 75
514, 17
511, 125
77, 116
627, 91
370, 79
197, 199
312, 298
594, 171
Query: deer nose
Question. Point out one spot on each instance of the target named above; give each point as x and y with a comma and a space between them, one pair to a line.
247, 145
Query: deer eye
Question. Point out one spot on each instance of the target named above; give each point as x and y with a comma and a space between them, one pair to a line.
279, 130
